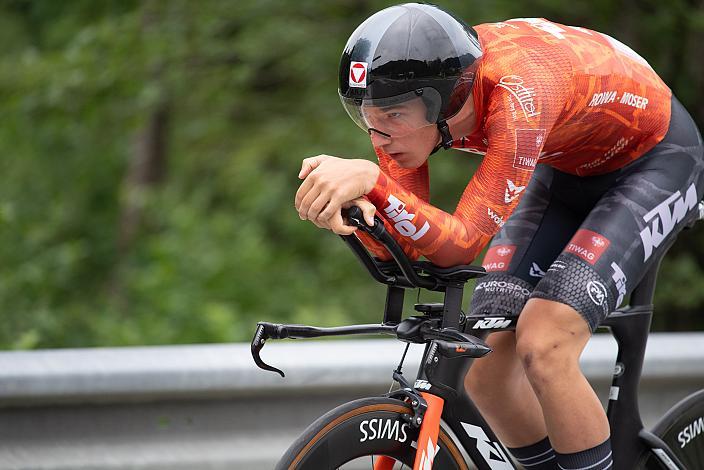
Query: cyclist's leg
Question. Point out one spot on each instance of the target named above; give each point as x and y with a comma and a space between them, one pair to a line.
527, 244
550, 339
648, 202
499, 388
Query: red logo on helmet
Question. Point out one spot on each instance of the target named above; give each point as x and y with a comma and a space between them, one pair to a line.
358, 74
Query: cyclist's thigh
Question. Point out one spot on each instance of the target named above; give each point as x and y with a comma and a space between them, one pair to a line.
526, 245
630, 226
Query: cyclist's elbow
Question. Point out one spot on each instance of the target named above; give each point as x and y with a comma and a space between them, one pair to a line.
448, 256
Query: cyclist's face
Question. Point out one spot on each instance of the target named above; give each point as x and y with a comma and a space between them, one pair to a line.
397, 120
410, 150
403, 132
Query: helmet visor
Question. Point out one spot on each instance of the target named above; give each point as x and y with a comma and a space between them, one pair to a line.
398, 115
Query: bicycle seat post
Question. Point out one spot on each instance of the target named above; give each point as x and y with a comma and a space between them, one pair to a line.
393, 309
452, 306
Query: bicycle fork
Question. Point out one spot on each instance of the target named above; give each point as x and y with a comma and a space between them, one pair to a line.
427, 445
444, 366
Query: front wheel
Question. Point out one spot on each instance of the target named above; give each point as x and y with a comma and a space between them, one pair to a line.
682, 429
351, 435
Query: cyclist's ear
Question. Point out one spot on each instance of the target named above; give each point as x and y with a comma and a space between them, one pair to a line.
309, 164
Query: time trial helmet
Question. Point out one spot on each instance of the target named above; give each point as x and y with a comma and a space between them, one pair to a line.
406, 67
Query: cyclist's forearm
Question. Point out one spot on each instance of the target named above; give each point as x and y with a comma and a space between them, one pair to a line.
443, 238
378, 250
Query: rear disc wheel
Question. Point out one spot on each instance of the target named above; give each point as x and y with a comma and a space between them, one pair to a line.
682, 429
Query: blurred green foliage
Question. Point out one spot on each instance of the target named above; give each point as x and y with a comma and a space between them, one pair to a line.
241, 91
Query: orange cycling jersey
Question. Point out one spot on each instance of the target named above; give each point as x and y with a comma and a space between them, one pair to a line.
575, 99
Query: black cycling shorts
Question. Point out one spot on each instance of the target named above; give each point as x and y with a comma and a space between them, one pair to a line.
587, 241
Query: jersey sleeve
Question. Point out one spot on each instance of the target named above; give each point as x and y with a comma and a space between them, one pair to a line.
522, 108
415, 181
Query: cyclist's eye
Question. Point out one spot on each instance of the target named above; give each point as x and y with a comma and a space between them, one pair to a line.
394, 115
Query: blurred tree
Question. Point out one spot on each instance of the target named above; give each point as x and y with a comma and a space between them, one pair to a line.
151, 151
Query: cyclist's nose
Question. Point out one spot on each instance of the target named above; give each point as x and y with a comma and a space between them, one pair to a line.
379, 139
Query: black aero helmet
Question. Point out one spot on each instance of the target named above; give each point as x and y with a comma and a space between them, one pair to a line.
406, 67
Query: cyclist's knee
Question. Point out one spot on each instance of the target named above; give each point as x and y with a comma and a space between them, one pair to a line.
550, 337
497, 369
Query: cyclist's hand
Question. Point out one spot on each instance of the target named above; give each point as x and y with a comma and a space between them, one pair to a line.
331, 183
339, 225
368, 209
311, 163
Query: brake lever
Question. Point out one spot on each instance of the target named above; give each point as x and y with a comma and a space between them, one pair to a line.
264, 331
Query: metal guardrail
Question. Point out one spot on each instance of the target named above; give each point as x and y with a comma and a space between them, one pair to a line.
208, 406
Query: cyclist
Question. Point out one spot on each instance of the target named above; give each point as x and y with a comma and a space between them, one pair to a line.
595, 161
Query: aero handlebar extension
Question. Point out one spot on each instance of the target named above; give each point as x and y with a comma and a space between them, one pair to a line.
408, 276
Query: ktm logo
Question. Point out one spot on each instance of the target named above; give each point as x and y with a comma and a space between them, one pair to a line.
422, 385
396, 210
512, 191
662, 220
491, 323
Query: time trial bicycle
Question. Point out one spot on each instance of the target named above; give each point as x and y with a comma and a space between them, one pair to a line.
431, 422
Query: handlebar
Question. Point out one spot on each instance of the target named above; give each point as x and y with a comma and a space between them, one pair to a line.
408, 276
452, 342
397, 274
402, 272
266, 330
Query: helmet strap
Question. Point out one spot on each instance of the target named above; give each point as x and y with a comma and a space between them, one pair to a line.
445, 136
